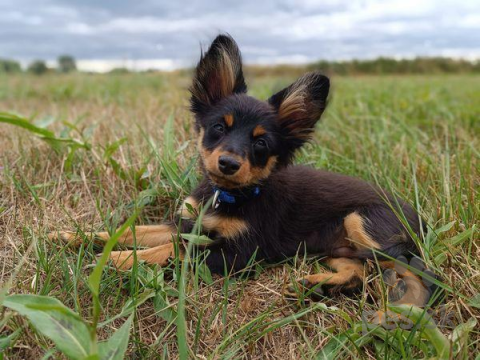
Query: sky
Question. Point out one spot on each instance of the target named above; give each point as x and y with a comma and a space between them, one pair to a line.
103, 34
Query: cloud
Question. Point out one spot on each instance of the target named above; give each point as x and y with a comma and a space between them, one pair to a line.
268, 31
138, 65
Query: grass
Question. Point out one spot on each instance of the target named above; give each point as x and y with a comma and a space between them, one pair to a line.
120, 145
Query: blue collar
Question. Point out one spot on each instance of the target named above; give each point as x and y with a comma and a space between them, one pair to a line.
233, 197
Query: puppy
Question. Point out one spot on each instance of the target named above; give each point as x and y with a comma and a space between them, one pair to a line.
265, 209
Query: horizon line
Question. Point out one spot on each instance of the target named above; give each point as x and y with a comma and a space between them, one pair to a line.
170, 65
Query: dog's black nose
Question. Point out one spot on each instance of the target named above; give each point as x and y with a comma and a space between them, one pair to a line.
228, 165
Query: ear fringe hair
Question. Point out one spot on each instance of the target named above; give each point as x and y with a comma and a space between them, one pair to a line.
294, 102
218, 74
298, 104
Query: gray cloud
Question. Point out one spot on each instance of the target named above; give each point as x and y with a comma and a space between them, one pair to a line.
268, 31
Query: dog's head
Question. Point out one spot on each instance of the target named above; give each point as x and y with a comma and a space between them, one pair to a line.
242, 139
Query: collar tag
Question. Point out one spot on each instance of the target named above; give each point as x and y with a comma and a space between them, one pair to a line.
216, 203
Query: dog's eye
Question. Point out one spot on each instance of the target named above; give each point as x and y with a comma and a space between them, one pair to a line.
219, 128
260, 144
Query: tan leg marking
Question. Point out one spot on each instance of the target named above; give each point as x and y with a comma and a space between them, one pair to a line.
346, 271
226, 227
146, 235
185, 212
160, 255
356, 232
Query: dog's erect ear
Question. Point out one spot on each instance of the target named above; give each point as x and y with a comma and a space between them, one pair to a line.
300, 106
218, 74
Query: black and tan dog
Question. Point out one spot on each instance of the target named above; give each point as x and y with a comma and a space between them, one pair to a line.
266, 208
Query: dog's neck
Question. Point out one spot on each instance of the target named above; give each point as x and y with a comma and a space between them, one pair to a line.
234, 197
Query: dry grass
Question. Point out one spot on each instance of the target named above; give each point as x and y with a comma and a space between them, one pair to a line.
416, 136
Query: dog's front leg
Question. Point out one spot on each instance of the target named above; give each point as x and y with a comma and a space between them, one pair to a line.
144, 236
160, 255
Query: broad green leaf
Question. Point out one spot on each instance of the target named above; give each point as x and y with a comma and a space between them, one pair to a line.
44, 134
25, 124
55, 321
205, 273
44, 122
380, 349
460, 238
115, 347
146, 197
163, 308
475, 301
426, 326
444, 228
333, 347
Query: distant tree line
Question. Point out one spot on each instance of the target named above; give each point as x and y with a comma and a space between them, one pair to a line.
9, 66
382, 65
419, 65
65, 64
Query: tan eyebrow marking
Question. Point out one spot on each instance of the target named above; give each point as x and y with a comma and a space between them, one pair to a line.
259, 130
229, 120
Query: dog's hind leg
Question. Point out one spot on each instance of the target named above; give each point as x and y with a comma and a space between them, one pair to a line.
347, 278
160, 255
144, 236
404, 288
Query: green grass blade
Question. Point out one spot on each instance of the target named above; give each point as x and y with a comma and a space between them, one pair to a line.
115, 347
94, 278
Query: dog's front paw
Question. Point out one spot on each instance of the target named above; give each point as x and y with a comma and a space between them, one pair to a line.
67, 237
304, 287
122, 260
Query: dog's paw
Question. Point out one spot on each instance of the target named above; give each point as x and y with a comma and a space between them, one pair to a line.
305, 288
67, 237
122, 260
397, 287
398, 291
389, 277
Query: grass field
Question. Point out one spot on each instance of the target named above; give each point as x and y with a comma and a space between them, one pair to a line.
134, 149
